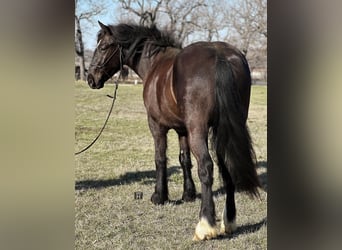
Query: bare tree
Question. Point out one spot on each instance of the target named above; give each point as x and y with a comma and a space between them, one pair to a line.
84, 15
247, 29
184, 17
179, 16
211, 20
242, 23
247, 18
145, 10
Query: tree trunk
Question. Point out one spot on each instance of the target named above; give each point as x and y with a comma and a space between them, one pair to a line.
79, 48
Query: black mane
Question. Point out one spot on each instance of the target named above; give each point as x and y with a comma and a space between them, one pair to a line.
135, 37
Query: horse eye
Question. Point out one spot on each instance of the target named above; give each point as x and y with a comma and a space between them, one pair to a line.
103, 48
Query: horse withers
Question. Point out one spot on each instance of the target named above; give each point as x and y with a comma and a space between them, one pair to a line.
198, 90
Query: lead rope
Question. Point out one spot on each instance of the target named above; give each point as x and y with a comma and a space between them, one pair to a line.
105, 123
112, 106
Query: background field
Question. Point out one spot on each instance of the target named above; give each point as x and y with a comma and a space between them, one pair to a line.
122, 162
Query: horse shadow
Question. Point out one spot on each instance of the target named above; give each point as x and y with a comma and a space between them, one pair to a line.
244, 229
221, 190
146, 177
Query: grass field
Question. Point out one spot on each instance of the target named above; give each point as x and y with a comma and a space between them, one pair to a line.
122, 162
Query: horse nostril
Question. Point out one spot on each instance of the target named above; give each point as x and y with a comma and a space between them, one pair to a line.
91, 81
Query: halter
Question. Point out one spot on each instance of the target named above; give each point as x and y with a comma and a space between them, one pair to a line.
109, 58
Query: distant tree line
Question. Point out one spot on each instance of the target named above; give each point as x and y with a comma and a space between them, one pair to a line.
242, 23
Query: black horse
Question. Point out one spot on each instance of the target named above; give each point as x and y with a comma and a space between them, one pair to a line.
201, 88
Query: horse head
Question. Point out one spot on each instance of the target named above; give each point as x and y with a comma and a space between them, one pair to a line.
107, 58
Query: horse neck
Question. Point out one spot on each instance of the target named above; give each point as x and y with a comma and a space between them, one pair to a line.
145, 62
144, 66
141, 65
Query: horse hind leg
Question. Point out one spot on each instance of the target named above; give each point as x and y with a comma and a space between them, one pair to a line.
189, 190
228, 222
205, 228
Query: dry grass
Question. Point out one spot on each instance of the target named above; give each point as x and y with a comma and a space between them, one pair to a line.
121, 162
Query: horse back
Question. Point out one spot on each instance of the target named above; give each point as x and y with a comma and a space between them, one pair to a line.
195, 70
181, 83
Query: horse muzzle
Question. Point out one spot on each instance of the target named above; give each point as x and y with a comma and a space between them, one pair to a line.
92, 83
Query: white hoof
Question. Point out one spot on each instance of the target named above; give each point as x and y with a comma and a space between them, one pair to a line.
226, 226
204, 231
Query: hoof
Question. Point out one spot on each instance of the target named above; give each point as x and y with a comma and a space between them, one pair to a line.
227, 227
158, 199
204, 231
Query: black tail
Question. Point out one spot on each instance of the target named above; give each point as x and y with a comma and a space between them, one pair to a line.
231, 138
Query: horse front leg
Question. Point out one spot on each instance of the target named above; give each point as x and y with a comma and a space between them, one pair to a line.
159, 133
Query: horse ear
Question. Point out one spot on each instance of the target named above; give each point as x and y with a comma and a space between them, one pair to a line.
104, 27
